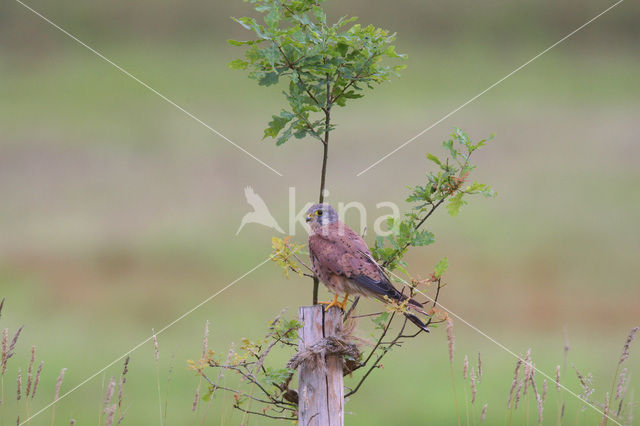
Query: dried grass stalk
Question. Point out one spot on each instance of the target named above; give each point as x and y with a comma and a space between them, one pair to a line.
156, 351
5, 350
37, 379
514, 382
474, 389
30, 371
19, 385
465, 367
196, 399
483, 413
450, 339
111, 412
205, 340
605, 409
111, 387
123, 380
59, 384
627, 345
620, 389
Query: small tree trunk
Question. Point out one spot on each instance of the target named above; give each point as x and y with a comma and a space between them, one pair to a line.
320, 392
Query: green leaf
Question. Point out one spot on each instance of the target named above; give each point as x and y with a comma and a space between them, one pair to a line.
441, 267
238, 64
402, 269
391, 52
268, 79
240, 43
434, 159
207, 396
480, 188
300, 133
342, 48
319, 14
285, 136
381, 320
272, 18
455, 203
277, 124
423, 238
449, 145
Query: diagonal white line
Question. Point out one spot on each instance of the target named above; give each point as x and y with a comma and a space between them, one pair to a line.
145, 85
181, 317
489, 88
506, 349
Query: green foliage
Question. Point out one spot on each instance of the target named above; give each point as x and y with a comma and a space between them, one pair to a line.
286, 331
276, 376
445, 185
250, 364
324, 64
380, 321
285, 254
441, 267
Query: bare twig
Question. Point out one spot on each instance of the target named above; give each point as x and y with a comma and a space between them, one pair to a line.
264, 414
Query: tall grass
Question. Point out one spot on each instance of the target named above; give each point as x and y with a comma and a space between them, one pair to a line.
525, 400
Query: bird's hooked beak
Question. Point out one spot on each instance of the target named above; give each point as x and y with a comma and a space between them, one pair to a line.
309, 217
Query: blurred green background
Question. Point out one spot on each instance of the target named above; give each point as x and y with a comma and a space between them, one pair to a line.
118, 212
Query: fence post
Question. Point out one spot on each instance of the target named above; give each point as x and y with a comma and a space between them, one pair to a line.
320, 391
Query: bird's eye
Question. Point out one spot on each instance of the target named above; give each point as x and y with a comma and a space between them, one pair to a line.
318, 212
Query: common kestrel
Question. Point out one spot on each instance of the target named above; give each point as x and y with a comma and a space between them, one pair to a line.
343, 262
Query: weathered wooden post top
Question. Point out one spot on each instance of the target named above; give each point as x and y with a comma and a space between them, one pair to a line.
321, 386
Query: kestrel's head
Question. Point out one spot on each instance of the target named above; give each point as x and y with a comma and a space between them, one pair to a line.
321, 214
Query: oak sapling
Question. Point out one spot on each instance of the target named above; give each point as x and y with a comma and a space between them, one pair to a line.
319, 65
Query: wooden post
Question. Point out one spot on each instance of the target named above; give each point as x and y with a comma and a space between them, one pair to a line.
320, 393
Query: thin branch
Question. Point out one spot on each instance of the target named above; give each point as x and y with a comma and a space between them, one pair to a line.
235, 391
352, 308
300, 260
422, 221
435, 298
323, 173
264, 414
395, 342
291, 66
398, 340
252, 379
373, 314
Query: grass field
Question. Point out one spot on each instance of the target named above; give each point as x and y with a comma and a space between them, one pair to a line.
119, 214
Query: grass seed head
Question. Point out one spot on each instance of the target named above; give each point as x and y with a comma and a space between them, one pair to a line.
37, 379
627, 345
59, 383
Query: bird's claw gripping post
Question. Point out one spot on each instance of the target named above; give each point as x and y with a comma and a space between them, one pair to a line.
335, 302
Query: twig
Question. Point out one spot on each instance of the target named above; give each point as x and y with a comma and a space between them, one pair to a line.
295, 418
395, 342
352, 308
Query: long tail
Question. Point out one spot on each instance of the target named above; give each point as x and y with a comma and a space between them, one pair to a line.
417, 306
399, 297
417, 321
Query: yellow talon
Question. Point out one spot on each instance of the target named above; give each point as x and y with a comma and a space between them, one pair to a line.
343, 305
334, 302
